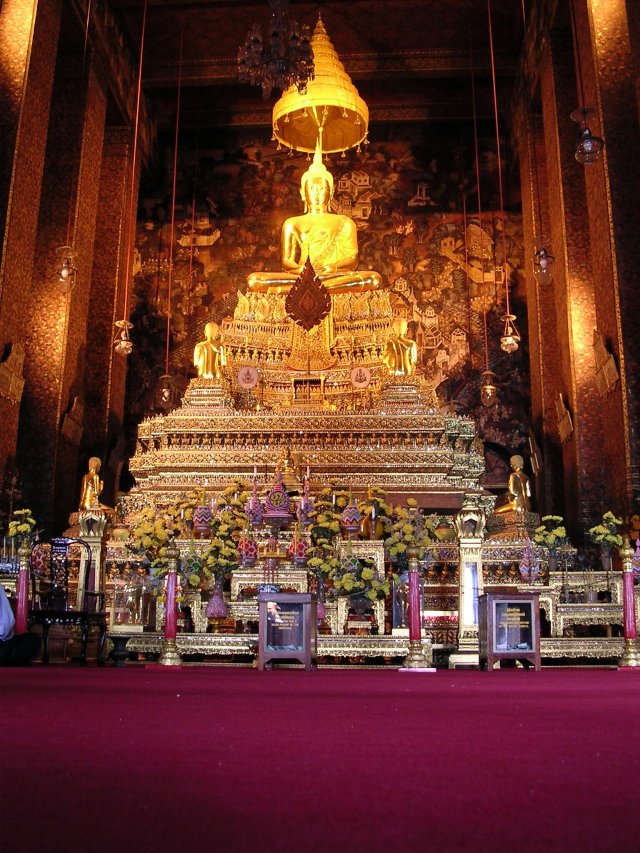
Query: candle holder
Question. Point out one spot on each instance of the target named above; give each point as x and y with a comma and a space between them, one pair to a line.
631, 655
170, 656
416, 658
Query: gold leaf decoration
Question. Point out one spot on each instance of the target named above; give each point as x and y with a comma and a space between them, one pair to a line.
308, 302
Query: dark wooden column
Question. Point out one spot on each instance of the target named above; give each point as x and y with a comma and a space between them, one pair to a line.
28, 44
583, 469
613, 193
52, 417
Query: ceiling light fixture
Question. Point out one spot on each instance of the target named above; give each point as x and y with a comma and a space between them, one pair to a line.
282, 60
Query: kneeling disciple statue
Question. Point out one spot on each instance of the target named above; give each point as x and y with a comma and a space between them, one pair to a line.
209, 355
92, 487
401, 353
518, 489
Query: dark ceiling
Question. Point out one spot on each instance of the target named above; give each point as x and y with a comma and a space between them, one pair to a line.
411, 60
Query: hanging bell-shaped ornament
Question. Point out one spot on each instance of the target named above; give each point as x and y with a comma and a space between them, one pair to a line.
488, 390
510, 340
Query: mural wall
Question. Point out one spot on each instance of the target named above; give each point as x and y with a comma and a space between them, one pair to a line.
416, 205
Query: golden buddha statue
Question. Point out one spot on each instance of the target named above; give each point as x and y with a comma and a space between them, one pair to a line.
92, 487
518, 489
328, 240
209, 355
401, 353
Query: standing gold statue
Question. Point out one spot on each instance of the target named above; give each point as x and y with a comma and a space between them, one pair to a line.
209, 355
328, 240
518, 489
401, 353
91, 486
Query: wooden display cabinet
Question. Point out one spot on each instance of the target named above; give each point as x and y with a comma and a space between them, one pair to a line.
509, 628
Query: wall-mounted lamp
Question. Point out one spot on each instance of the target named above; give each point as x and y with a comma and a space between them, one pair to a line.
541, 263
66, 268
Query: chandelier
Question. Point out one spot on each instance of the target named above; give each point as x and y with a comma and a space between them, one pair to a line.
282, 60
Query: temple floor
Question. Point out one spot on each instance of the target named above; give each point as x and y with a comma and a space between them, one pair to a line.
234, 759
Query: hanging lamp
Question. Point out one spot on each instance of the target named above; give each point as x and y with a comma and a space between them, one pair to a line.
589, 147
166, 393
488, 389
123, 344
510, 339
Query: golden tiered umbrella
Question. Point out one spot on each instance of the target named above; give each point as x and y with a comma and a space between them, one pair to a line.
331, 107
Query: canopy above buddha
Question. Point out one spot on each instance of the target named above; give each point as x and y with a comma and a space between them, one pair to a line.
331, 102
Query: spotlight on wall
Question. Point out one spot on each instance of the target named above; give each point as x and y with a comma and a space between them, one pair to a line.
66, 268
589, 148
542, 260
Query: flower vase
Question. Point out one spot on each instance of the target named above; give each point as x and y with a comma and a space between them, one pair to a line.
351, 518
606, 560
297, 552
202, 518
248, 550
216, 607
552, 561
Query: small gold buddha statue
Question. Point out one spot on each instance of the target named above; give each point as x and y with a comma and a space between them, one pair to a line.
401, 353
209, 355
92, 487
518, 489
328, 240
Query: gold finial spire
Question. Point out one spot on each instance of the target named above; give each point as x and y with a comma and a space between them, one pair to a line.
331, 104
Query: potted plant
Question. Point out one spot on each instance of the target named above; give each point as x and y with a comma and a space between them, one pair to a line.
22, 528
376, 514
606, 536
552, 535
409, 528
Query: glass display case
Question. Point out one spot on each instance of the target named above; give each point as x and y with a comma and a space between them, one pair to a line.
509, 626
287, 628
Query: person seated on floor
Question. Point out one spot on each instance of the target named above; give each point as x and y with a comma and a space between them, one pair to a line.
15, 649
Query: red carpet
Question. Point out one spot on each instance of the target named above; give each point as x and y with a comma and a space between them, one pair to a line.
233, 759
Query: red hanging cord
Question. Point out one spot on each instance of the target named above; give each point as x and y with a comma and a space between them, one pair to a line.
173, 211
132, 198
477, 156
495, 110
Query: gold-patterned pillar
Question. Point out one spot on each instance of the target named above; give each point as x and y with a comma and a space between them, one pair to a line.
582, 465
105, 371
28, 42
52, 416
613, 190
544, 343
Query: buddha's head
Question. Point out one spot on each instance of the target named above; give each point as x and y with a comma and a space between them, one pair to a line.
316, 186
517, 463
400, 326
211, 331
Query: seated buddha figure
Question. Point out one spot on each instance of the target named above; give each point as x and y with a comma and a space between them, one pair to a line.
328, 240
